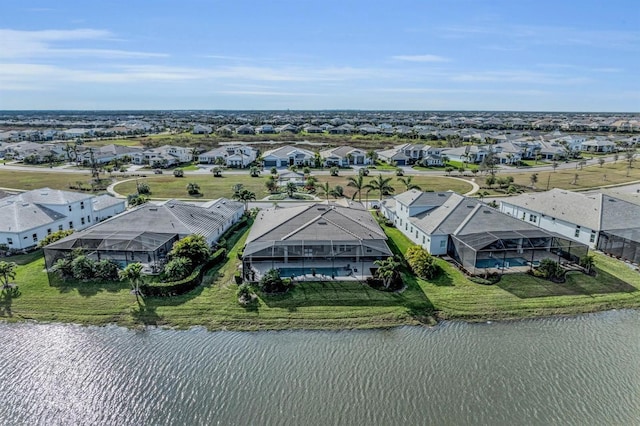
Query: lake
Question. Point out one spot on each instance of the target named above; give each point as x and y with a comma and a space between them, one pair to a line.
581, 370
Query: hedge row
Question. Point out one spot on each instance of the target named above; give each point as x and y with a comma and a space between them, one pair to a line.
187, 284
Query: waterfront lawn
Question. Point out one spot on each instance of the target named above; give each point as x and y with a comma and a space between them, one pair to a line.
454, 296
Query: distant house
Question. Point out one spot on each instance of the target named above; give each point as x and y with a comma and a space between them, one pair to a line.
407, 154
345, 156
164, 156
245, 129
146, 234
265, 129
598, 145
230, 156
201, 129
602, 221
287, 156
107, 153
475, 235
27, 218
325, 238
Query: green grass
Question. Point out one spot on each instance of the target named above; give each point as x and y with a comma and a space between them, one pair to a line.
27, 179
125, 142
454, 296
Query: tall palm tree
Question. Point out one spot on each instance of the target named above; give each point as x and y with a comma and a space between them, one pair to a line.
244, 195
325, 189
7, 272
357, 182
133, 273
408, 184
382, 185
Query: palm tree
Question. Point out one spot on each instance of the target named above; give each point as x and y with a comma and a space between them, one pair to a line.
533, 179
133, 273
349, 158
244, 195
372, 156
381, 184
325, 189
271, 184
387, 270
291, 188
408, 184
356, 182
7, 272
254, 171
193, 188
337, 192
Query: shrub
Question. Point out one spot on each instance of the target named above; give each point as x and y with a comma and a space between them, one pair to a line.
271, 282
83, 268
143, 188
333, 171
106, 270
238, 277
55, 236
421, 262
193, 247
178, 173
177, 268
244, 294
549, 269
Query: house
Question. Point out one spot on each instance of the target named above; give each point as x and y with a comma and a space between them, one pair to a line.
344, 156
476, 236
265, 129
406, 154
146, 233
330, 239
287, 156
230, 155
293, 177
598, 145
33, 152
601, 221
164, 156
467, 154
201, 129
245, 129
27, 218
107, 153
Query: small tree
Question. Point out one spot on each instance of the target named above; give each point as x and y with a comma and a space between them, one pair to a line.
291, 189
337, 191
106, 270
550, 269
399, 172
364, 171
490, 180
601, 161
274, 171
194, 247
271, 282
133, 273
421, 262
178, 173
254, 171
136, 200
83, 268
271, 184
387, 271
177, 268
408, 183
334, 171
143, 188
533, 179
193, 188
244, 294
554, 165
217, 171
7, 272
587, 262
55, 236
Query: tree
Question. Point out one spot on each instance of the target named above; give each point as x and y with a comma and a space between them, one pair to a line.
254, 171
387, 270
306, 170
582, 163
587, 262
533, 179
399, 171
601, 161
271, 184
349, 158
106, 270
372, 156
421, 262
549, 269
554, 165
178, 173
575, 179
317, 160
136, 200
194, 247
490, 180
408, 183
243, 195
382, 185
217, 171
325, 190
291, 188
616, 157
271, 282
133, 273
177, 268
83, 268
7, 272
448, 169
629, 157
334, 171
274, 171
356, 182
193, 188
364, 171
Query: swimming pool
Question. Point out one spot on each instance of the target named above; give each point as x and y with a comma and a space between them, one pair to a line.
497, 263
336, 272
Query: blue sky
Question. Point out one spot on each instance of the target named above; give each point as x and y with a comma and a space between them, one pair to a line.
296, 54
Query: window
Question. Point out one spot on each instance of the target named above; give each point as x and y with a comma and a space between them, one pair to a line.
406, 226
443, 243
423, 239
89, 219
308, 252
9, 240
69, 207
35, 238
533, 218
59, 227
82, 220
71, 225
577, 233
416, 235
49, 231
592, 238
82, 205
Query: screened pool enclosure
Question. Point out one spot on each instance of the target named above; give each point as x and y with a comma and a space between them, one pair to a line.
512, 251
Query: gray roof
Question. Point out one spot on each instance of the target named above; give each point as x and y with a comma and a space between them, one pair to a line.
321, 222
19, 216
104, 201
283, 152
595, 211
51, 196
414, 197
340, 151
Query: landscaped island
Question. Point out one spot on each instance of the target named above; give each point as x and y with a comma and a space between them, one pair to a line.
319, 305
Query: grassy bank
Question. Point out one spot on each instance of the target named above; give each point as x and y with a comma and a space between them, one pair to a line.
319, 305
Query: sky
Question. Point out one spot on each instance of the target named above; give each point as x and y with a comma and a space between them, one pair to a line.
517, 55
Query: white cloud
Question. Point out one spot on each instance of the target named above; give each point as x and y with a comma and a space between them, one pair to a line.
421, 58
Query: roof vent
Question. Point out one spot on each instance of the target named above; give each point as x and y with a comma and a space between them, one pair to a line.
486, 211
322, 223
153, 209
322, 208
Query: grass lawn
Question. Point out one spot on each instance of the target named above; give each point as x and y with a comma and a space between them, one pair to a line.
520, 295
38, 179
125, 142
168, 186
457, 164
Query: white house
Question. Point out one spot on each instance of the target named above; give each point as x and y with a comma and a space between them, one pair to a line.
344, 156
287, 156
164, 156
230, 156
28, 217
